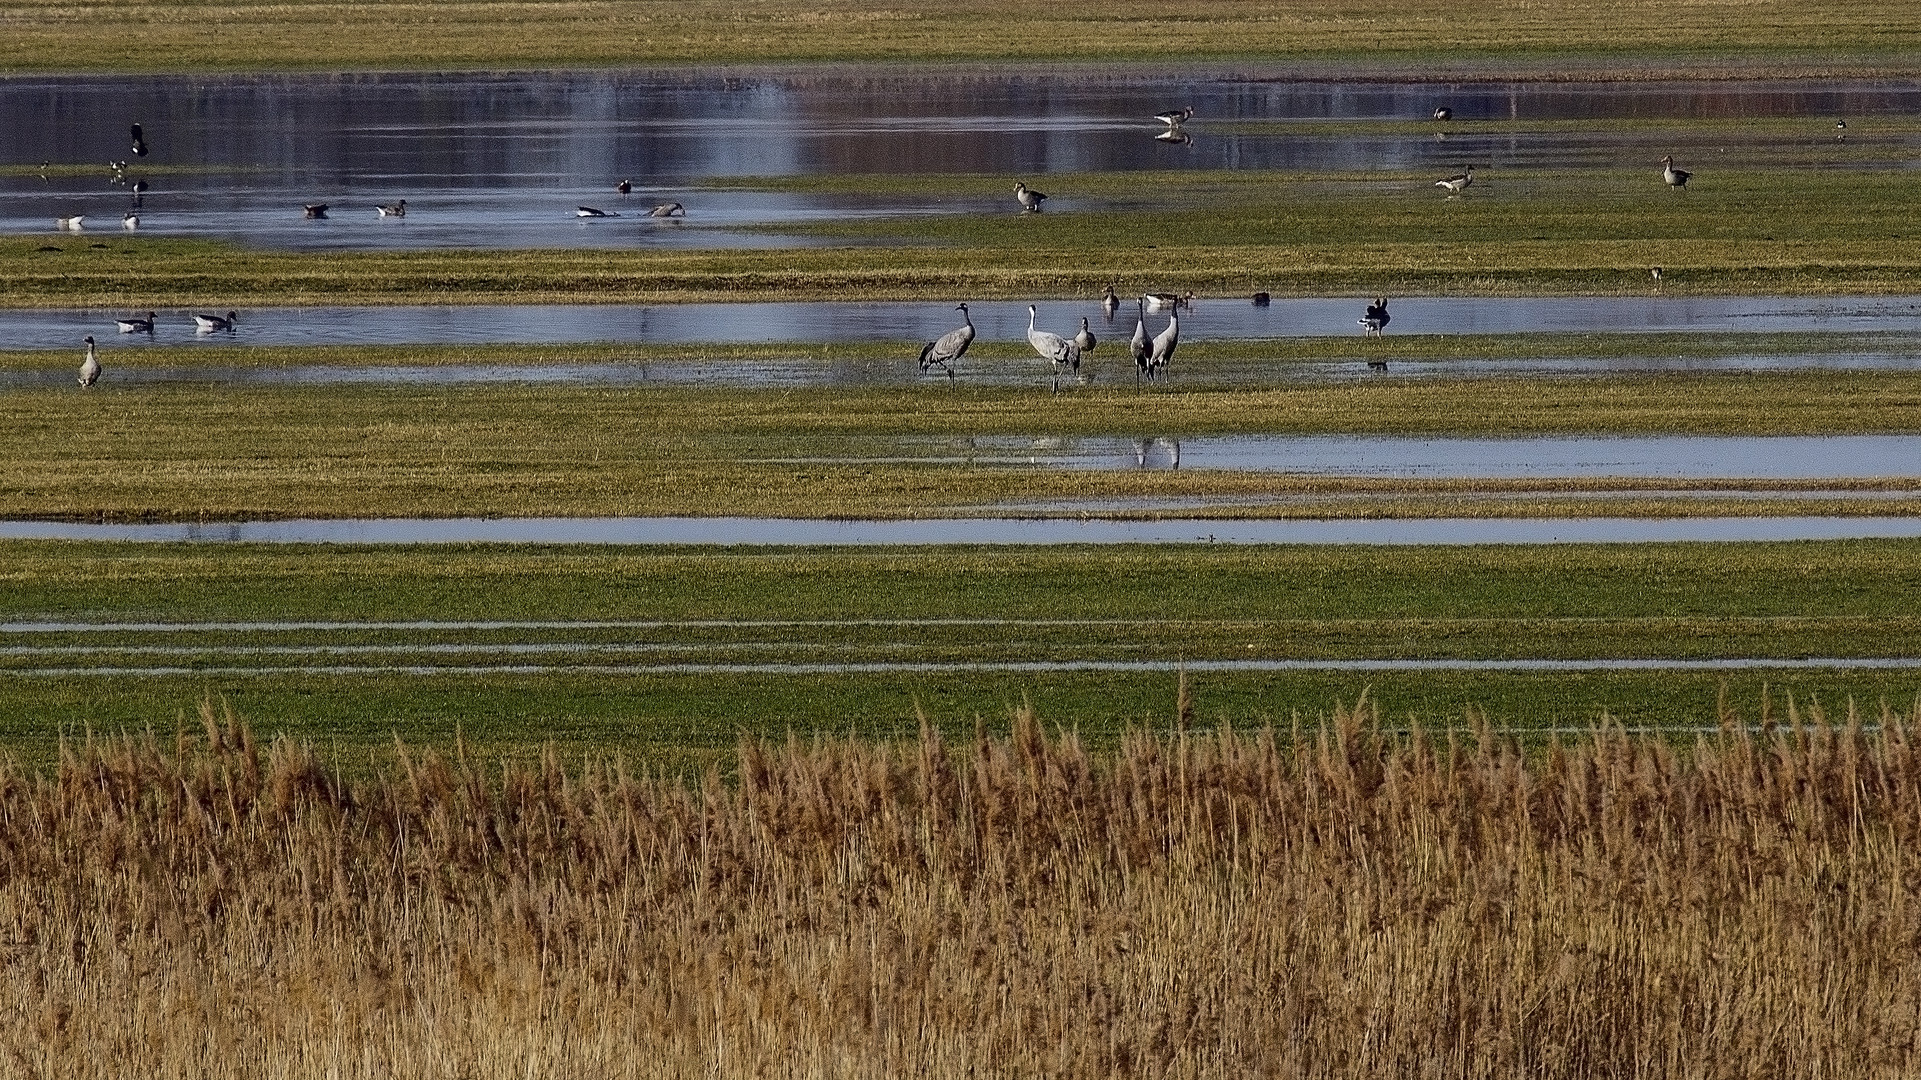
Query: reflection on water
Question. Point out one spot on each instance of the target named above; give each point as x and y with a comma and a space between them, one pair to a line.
994, 320
501, 160
808, 532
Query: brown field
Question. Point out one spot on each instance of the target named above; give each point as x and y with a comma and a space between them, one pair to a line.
1330, 902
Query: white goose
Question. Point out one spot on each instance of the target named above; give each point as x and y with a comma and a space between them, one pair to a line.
1053, 348
90, 367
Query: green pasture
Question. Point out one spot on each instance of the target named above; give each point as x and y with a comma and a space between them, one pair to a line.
1735, 230
949, 607
183, 451
1549, 38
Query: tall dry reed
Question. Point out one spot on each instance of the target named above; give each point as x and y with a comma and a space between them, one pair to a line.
1333, 902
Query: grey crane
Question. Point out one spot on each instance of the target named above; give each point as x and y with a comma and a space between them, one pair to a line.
207, 324
1165, 343
1458, 182
1675, 178
1053, 348
1376, 316
668, 209
1084, 341
1029, 199
134, 324
949, 347
1139, 347
90, 367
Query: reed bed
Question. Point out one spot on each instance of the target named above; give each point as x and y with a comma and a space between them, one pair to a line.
1331, 901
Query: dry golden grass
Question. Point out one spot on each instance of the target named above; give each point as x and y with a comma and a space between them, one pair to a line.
1327, 903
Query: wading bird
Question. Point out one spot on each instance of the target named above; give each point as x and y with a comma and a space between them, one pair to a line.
1165, 342
949, 347
315, 210
90, 367
398, 209
1029, 199
139, 142
1139, 346
135, 324
1376, 316
1672, 176
1053, 348
1458, 182
1176, 117
207, 324
668, 209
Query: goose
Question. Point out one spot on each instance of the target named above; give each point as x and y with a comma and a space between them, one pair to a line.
398, 209
950, 346
625, 187
135, 324
1084, 341
1110, 301
1167, 301
588, 211
1176, 117
1029, 199
70, 224
1165, 343
1053, 348
1139, 347
1674, 177
1458, 182
668, 209
130, 220
90, 367
315, 210
139, 142
1443, 113
1376, 316
1261, 299
209, 323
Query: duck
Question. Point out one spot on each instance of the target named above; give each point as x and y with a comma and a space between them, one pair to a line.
1176, 117
90, 367
209, 323
589, 211
135, 324
315, 210
1458, 182
1029, 199
398, 209
1376, 316
1675, 178
668, 210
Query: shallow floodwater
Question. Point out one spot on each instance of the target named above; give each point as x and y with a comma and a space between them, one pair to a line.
994, 320
502, 160
808, 532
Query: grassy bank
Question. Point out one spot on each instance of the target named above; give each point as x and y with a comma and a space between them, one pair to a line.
590, 647
1736, 230
182, 451
1549, 38
1327, 902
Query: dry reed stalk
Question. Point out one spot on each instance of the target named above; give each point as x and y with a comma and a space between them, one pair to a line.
1342, 901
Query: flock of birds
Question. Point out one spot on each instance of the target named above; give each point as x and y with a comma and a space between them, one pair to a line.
315, 211
1064, 354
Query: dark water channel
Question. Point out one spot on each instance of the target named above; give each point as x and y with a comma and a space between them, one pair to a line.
502, 160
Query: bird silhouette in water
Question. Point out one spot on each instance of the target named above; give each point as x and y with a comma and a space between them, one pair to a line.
949, 347
139, 142
315, 210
